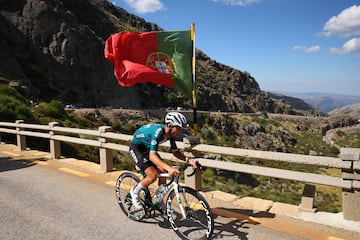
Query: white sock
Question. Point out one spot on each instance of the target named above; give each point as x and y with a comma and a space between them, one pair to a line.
138, 188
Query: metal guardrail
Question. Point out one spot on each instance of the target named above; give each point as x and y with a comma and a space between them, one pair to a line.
103, 138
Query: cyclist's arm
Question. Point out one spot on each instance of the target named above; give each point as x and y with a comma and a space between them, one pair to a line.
175, 151
181, 156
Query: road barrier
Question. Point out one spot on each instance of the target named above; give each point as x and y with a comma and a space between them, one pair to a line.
107, 141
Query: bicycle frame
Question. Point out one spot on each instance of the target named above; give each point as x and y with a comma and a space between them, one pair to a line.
173, 184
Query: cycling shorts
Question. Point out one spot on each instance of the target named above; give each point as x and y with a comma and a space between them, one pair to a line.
140, 156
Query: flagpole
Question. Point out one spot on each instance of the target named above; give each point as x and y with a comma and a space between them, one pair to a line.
195, 125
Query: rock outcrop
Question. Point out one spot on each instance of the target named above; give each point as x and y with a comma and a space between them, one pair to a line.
53, 49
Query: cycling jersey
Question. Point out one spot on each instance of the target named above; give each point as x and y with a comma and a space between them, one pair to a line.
149, 136
146, 139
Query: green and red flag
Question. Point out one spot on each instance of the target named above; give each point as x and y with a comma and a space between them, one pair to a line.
163, 57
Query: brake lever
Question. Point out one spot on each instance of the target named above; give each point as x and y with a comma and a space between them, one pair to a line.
198, 167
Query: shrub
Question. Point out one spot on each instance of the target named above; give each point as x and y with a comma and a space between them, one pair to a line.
9, 91
54, 110
12, 106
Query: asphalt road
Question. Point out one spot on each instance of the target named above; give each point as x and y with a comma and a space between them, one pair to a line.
38, 201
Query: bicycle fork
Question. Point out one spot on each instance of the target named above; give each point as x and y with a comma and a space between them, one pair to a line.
178, 198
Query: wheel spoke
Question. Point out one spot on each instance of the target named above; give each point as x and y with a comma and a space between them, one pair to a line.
124, 183
199, 219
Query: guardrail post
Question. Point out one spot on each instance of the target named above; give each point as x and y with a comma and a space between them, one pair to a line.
21, 139
106, 158
307, 199
193, 181
351, 197
55, 147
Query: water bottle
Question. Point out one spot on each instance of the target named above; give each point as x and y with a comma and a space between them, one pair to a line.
160, 192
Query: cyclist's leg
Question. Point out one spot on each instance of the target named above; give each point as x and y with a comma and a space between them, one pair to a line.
138, 156
142, 163
162, 180
151, 173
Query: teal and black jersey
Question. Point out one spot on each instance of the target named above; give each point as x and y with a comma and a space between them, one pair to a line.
148, 137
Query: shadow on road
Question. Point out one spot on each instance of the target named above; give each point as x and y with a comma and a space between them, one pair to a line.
236, 226
9, 164
228, 228
231, 229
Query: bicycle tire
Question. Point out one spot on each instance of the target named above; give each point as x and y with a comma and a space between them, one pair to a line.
199, 222
124, 183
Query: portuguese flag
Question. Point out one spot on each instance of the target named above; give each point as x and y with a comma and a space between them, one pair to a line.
158, 57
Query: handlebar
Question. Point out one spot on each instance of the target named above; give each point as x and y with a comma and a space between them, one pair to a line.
182, 169
198, 167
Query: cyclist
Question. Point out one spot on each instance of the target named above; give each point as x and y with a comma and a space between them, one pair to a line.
144, 151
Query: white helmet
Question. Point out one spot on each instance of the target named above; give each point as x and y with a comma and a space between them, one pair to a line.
176, 119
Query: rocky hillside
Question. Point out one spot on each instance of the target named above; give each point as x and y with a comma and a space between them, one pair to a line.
54, 50
297, 103
353, 110
325, 102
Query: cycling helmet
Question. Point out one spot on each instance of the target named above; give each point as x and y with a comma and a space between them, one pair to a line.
176, 119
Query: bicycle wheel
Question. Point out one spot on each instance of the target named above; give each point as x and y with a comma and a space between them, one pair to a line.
199, 221
124, 183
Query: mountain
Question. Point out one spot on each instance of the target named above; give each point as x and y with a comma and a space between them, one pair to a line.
353, 110
296, 103
54, 49
326, 102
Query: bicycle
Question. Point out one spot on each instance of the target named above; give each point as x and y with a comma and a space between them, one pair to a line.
187, 211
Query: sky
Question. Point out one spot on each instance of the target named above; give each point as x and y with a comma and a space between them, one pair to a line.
289, 46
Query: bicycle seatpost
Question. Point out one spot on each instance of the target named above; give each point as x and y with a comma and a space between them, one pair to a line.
164, 175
